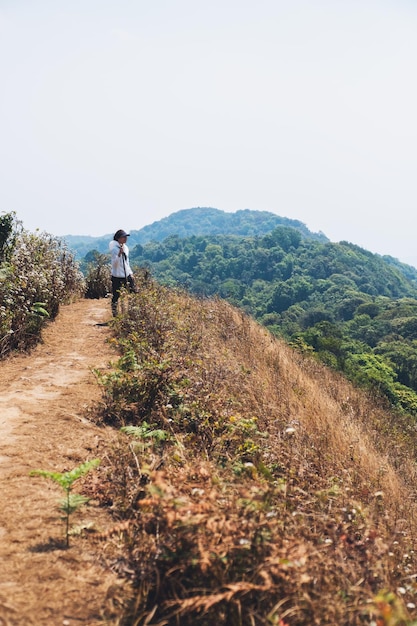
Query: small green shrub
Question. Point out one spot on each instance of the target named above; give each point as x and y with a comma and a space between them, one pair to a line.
72, 501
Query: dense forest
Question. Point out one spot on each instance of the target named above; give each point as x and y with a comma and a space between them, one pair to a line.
197, 221
357, 311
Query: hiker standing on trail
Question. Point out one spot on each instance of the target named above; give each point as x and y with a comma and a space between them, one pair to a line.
121, 272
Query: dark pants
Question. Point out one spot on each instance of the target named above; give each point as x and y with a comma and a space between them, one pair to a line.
116, 285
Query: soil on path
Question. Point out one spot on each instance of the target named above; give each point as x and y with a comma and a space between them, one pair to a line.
44, 402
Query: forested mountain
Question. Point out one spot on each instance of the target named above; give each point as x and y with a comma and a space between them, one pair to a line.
355, 309
197, 221
209, 221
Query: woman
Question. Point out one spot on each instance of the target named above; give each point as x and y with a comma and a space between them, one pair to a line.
121, 272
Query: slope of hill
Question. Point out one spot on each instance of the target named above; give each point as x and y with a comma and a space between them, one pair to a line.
196, 221
356, 309
254, 486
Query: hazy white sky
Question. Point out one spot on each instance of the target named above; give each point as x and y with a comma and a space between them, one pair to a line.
116, 114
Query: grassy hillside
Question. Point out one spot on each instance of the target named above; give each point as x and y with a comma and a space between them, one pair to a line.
251, 485
356, 310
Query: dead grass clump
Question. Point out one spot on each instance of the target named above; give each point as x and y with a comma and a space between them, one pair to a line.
252, 481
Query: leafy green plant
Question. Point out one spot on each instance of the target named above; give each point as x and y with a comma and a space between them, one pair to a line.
72, 501
38, 308
145, 431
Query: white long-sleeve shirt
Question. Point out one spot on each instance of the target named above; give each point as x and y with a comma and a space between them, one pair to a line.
120, 267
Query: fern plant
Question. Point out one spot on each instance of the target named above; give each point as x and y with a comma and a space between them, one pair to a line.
145, 436
145, 431
72, 501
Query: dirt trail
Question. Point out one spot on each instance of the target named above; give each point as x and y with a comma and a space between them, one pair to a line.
44, 401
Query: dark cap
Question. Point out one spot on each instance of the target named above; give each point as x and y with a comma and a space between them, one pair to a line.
120, 233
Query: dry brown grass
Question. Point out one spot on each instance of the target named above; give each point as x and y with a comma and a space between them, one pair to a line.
284, 495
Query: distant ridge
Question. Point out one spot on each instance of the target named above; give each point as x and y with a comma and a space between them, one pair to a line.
210, 221
196, 221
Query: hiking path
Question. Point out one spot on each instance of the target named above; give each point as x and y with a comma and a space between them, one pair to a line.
45, 398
